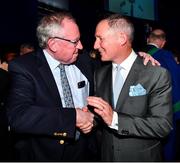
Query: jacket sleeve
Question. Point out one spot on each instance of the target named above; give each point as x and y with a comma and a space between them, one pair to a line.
31, 109
156, 121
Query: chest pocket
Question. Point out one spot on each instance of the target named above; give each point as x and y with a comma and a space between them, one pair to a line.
136, 105
81, 94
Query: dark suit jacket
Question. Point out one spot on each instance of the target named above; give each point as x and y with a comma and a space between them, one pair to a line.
4, 86
4, 135
142, 120
42, 127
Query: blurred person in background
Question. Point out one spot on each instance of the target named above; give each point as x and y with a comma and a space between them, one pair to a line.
156, 42
26, 48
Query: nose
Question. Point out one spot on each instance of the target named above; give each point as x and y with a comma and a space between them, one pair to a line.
96, 44
79, 45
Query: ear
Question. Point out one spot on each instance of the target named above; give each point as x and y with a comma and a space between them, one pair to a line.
163, 44
52, 44
147, 40
122, 38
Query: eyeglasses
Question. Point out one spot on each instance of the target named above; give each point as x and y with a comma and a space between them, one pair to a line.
75, 42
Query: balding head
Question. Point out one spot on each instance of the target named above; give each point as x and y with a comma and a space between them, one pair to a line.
158, 37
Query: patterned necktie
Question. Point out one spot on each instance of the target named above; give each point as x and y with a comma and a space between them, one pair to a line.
67, 92
66, 88
118, 83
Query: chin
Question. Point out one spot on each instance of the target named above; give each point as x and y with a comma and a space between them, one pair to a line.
74, 60
104, 59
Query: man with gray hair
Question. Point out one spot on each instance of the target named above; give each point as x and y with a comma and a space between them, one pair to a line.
46, 106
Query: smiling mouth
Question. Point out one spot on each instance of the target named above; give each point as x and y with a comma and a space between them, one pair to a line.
100, 52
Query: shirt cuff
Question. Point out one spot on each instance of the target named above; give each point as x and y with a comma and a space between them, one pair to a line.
114, 124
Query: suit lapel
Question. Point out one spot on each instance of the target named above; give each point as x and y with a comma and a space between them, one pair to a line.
108, 92
48, 78
105, 84
130, 80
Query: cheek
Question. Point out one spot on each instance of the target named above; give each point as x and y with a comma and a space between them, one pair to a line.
68, 54
109, 53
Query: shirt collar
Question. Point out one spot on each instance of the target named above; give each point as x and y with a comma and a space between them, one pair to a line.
53, 63
153, 45
127, 63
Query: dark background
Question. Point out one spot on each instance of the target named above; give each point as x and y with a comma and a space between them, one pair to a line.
19, 19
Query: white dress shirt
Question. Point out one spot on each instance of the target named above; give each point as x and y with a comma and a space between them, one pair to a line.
74, 76
126, 66
154, 45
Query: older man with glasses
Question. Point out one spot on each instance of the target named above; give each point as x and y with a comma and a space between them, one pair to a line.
46, 106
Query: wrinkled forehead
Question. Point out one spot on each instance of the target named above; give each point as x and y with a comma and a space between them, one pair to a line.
102, 27
70, 27
103, 24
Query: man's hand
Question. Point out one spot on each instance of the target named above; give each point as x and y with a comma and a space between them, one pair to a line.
84, 120
147, 57
102, 108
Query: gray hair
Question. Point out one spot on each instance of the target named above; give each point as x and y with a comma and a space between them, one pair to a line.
121, 23
50, 25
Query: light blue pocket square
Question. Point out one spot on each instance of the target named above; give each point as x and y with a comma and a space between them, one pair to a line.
137, 90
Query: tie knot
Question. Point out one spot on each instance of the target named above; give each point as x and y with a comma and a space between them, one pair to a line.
118, 67
61, 66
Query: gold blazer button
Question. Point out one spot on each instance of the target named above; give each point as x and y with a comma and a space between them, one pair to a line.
61, 142
64, 134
